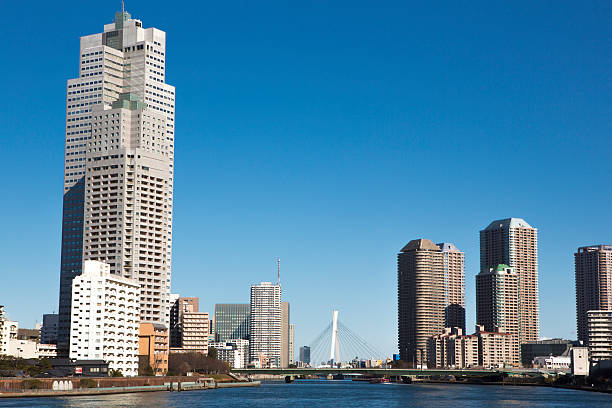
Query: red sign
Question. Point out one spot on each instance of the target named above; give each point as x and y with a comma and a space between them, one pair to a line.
78, 370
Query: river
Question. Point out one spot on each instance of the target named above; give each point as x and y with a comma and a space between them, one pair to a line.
313, 393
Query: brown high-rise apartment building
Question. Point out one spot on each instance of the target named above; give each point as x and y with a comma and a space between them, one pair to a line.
497, 304
180, 306
454, 286
420, 293
593, 283
513, 242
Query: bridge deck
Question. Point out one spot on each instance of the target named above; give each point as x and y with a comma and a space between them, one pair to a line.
374, 371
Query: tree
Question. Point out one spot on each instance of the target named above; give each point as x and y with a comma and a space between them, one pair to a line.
45, 364
116, 373
212, 353
181, 363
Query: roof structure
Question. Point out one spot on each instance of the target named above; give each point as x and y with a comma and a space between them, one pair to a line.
508, 223
420, 244
448, 247
498, 270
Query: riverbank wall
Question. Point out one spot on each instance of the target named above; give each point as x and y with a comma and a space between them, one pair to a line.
72, 386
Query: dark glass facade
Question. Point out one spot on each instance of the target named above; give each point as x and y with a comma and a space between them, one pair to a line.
71, 260
232, 321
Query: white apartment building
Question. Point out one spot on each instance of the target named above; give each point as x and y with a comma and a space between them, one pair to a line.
235, 352
599, 325
105, 322
118, 173
265, 329
8, 333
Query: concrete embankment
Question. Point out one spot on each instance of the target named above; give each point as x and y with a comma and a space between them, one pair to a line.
81, 392
239, 384
61, 387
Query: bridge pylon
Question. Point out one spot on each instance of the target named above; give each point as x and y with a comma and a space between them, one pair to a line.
335, 349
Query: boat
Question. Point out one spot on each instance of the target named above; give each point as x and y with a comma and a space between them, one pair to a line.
380, 381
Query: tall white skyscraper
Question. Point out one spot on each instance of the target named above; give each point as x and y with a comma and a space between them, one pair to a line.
266, 322
119, 166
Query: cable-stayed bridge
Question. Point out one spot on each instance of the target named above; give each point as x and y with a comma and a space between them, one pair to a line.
339, 350
338, 345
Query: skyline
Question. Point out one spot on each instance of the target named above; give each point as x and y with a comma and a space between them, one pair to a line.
268, 143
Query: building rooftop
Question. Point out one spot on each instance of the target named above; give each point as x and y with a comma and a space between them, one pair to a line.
592, 248
448, 247
423, 244
499, 269
508, 223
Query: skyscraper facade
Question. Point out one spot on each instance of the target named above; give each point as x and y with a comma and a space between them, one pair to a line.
513, 242
266, 321
593, 266
497, 305
285, 322
305, 354
118, 172
420, 291
454, 286
291, 344
232, 321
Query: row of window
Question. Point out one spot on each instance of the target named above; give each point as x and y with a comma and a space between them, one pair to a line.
91, 74
78, 105
91, 53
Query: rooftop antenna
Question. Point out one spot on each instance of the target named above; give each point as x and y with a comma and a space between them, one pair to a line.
122, 7
278, 261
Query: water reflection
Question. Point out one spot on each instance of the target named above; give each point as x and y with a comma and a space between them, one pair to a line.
330, 394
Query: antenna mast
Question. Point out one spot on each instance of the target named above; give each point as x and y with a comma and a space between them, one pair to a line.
122, 6
278, 261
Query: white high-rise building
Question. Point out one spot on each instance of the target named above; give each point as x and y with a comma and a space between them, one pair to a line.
119, 166
105, 319
291, 344
265, 330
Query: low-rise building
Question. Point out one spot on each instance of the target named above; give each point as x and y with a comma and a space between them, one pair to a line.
235, 352
599, 323
549, 347
46, 350
65, 367
485, 349
561, 363
580, 361
441, 348
153, 347
466, 351
495, 349
22, 348
105, 318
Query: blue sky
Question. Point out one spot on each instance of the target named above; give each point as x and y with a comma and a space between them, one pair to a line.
329, 136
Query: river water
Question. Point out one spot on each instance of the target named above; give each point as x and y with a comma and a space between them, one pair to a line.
313, 393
